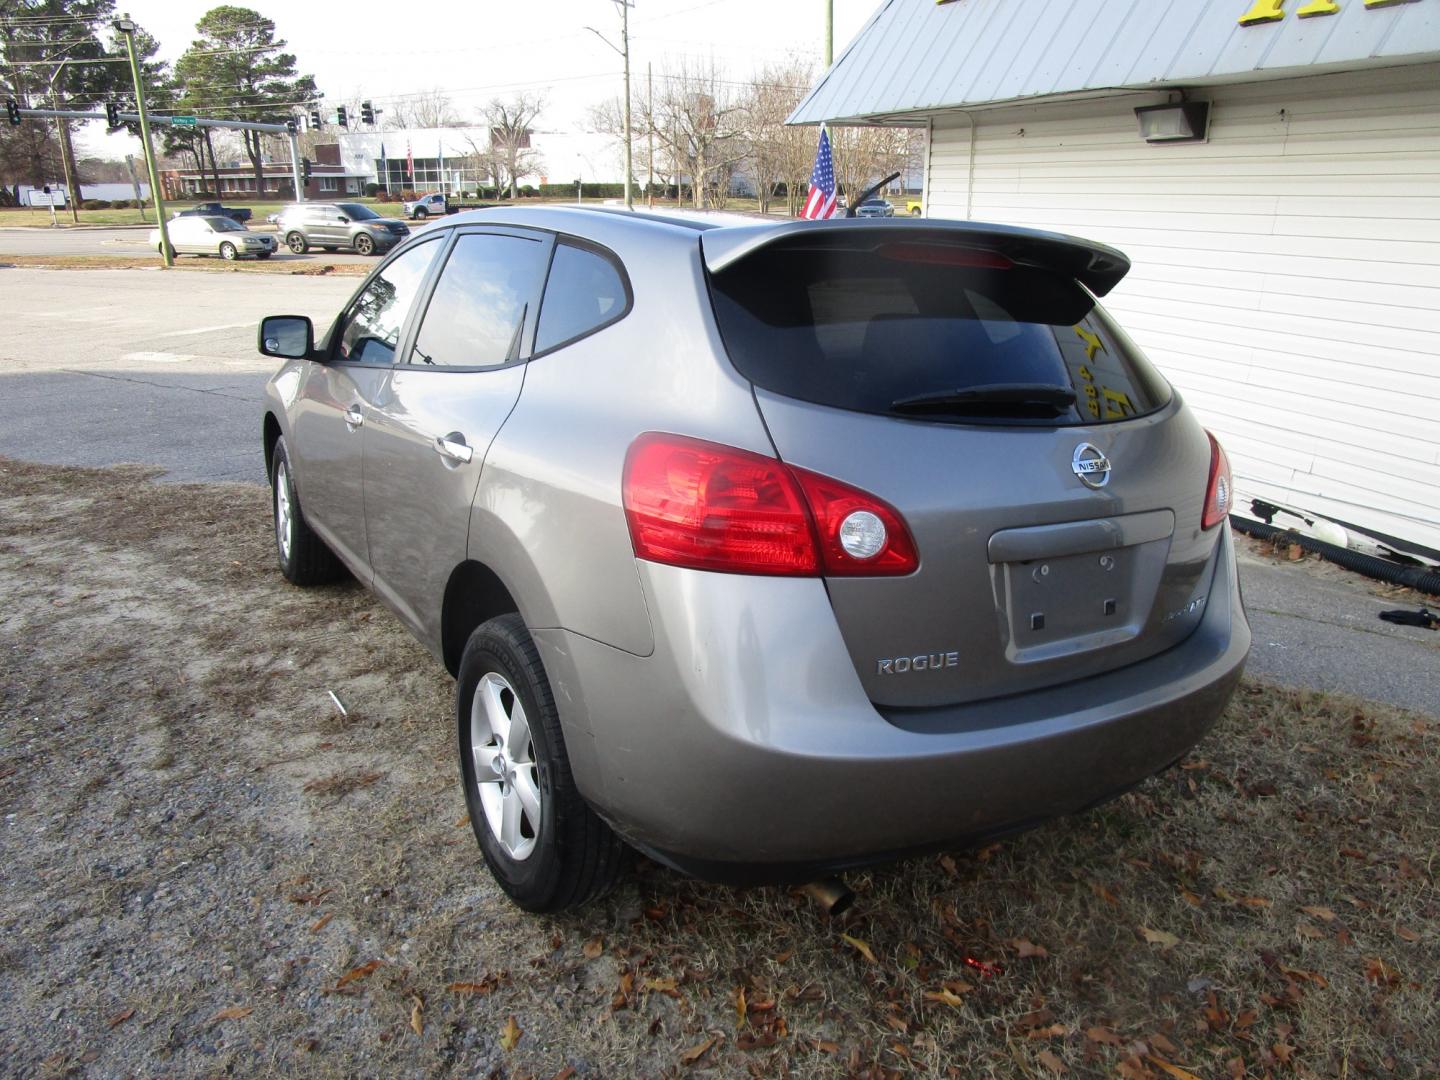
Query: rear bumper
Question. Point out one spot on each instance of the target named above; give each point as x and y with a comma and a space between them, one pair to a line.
744, 746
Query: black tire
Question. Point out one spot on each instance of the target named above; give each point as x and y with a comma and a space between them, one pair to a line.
305, 560
915, 211
296, 243
161, 249
420, 214
575, 856
228, 252
364, 245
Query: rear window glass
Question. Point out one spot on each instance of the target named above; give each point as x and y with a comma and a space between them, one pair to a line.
932, 332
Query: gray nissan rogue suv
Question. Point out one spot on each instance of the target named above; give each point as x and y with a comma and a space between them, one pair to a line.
770, 548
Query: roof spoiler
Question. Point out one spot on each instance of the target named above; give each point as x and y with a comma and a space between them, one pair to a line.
1098, 267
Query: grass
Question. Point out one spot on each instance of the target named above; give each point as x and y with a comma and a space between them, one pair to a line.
197, 833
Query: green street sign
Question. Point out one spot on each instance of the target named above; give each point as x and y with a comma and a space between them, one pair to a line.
182, 121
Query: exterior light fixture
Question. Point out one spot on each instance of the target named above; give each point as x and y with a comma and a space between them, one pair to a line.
1185, 121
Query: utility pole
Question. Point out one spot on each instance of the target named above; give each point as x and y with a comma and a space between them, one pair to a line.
624, 51
650, 123
625, 43
829, 33
62, 132
126, 26
135, 185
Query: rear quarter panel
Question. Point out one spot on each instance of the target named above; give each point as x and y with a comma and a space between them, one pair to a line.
548, 516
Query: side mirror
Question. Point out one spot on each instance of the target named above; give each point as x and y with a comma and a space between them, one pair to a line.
289, 337
344, 220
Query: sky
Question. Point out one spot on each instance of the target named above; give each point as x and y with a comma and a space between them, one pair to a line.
476, 50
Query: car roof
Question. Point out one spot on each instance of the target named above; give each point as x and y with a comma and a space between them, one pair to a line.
728, 238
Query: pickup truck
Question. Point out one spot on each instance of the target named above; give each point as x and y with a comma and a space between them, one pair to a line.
214, 209
426, 205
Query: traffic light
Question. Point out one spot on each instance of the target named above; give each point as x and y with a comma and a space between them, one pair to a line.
12, 110
367, 113
305, 170
340, 116
314, 119
290, 126
112, 114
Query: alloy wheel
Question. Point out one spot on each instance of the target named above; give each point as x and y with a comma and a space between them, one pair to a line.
507, 778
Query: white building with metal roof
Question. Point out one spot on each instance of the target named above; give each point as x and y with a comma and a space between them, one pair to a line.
1282, 210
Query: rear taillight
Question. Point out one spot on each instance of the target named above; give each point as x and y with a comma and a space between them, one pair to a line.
1220, 491
711, 507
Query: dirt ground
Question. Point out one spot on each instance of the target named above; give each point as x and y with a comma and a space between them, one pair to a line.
208, 870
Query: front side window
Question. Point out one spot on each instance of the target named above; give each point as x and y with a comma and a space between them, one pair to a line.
585, 291
371, 329
477, 315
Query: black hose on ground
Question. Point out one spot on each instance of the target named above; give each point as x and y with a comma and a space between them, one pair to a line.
1422, 580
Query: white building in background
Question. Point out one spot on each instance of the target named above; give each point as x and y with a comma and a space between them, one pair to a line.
1286, 260
444, 158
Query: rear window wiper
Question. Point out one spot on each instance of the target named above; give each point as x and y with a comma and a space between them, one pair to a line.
1029, 400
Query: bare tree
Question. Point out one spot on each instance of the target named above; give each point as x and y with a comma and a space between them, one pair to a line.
510, 123
773, 95
698, 121
865, 155
431, 109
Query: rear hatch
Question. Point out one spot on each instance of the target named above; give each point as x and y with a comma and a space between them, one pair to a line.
1052, 482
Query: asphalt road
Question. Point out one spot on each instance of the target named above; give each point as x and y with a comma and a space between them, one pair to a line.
99, 367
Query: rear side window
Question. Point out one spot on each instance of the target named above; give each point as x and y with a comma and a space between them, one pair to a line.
477, 314
932, 331
586, 291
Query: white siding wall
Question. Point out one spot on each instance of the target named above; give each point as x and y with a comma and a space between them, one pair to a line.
1286, 273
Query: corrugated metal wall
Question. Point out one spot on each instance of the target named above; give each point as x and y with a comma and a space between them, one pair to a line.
1287, 272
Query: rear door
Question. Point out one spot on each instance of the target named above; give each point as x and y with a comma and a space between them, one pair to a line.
463, 369
336, 401
1052, 483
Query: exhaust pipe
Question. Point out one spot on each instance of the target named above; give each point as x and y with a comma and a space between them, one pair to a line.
832, 894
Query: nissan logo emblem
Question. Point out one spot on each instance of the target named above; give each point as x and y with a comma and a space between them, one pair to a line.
1090, 465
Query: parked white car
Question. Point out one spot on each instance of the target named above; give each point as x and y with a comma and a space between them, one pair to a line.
213, 236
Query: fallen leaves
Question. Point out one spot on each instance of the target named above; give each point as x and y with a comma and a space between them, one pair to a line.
592, 949
417, 1014
488, 985
119, 1018
1324, 914
322, 922
1028, 948
234, 1012
342, 783
1051, 1062
1163, 938
1174, 1070
510, 1035
355, 974
699, 1050
859, 946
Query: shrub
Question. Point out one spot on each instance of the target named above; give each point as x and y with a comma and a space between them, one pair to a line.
371, 190
95, 204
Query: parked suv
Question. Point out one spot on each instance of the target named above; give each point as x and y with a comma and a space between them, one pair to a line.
770, 548
332, 226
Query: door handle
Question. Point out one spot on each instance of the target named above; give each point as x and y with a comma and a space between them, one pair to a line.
354, 418
453, 447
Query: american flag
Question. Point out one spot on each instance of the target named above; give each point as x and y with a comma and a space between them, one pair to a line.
821, 202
